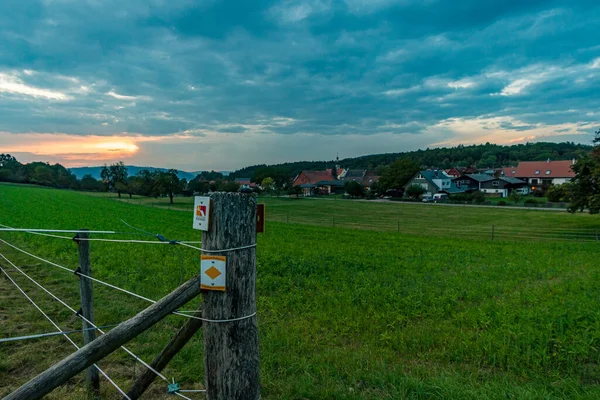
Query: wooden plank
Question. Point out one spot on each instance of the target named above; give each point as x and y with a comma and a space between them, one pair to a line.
183, 335
70, 366
92, 378
231, 359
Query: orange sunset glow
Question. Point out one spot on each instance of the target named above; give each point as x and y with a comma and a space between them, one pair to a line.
74, 147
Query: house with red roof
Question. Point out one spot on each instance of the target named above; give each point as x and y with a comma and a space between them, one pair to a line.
322, 182
456, 172
453, 172
245, 183
545, 173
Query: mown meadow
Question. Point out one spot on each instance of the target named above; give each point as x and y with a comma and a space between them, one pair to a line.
343, 313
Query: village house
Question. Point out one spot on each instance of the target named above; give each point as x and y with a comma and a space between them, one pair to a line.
489, 184
322, 182
433, 181
545, 173
455, 172
245, 183
369, 179
365, 178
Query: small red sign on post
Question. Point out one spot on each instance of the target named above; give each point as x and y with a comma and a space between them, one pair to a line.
260, 218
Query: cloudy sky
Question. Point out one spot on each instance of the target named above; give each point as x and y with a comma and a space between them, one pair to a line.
223, 84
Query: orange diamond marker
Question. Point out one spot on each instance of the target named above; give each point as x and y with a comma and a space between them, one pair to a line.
213, 273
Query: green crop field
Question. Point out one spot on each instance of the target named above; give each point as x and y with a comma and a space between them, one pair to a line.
343, 313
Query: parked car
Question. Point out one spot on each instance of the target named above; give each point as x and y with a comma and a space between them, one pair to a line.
440, 197
427, 199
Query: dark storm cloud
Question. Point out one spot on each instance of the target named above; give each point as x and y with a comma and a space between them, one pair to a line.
296, 67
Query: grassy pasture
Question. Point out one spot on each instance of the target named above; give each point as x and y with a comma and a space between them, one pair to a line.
465, 222
343, 313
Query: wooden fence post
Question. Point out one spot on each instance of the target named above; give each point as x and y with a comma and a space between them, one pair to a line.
231, 359
92, 379
86, 356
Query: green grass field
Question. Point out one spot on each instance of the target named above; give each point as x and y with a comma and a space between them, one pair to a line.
343, 313
468, 222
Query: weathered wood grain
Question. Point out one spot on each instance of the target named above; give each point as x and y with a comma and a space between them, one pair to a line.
92, 378
231, 358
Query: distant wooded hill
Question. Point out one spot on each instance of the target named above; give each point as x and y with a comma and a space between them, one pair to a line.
482, 156
132, 170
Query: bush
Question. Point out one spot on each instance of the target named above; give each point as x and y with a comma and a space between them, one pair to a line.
502, 203
532, 201
478, 197
354, 189
515, 197
555, 193
414, 191
539, 193
461, 197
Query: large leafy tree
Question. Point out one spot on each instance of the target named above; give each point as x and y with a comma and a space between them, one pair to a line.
9, 168
88, 182
267, 184
115, 176
294, 190
209, 176
354, 189
281, 176
414, 191
398, 174
169, 183
584, 189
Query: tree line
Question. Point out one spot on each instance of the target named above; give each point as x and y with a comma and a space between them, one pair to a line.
37, 173
114, 178
161, 183
395, 170
481, 156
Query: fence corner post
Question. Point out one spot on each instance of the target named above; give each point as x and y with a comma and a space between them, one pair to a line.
231, 353
92, 379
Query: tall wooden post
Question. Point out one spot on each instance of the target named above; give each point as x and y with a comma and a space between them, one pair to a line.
92, 379
231, 360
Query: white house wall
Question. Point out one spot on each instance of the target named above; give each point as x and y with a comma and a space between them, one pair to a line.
502, 192
560, 181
